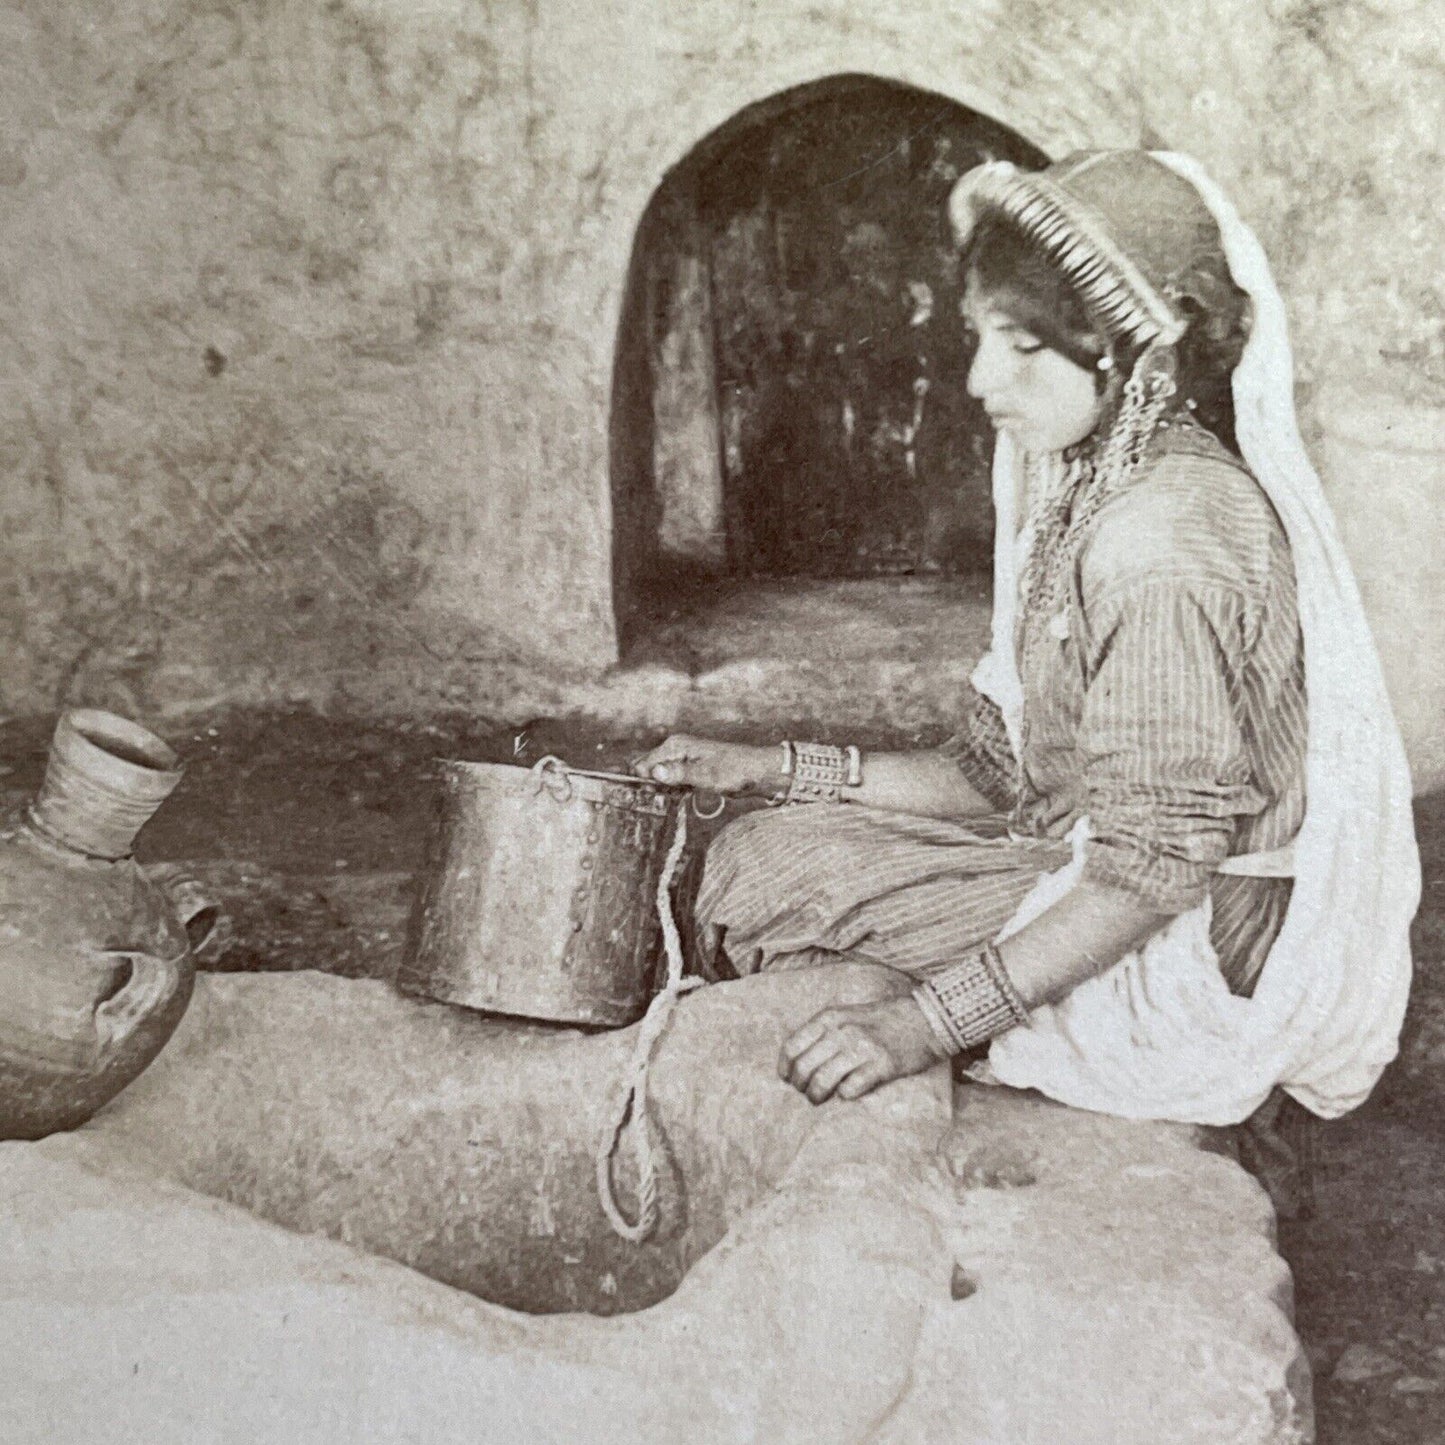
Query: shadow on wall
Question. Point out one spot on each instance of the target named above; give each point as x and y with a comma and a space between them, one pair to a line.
788, 394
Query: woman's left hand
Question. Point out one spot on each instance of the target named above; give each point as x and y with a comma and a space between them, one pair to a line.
853, 1048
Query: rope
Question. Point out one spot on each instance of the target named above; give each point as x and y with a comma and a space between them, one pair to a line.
555, 777
633, 1107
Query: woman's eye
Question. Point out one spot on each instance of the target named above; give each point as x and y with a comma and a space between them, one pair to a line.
1026, 345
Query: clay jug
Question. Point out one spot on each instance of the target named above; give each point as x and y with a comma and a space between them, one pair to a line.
96, 963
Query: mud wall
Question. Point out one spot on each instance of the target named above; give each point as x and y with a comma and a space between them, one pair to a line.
309, 311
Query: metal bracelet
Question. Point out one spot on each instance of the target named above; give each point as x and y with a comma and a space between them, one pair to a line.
994, 963
977, 998
820, 772
932, 1010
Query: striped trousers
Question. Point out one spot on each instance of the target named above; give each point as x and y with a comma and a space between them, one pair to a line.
791, 887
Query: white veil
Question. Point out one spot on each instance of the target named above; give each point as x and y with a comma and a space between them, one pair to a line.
1159, 1035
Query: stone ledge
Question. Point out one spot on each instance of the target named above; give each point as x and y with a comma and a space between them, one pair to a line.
1110, 1281
1124, 1286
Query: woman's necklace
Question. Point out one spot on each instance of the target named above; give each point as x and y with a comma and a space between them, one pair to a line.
1057, 520
1060, 521
1091, 475
1064, 514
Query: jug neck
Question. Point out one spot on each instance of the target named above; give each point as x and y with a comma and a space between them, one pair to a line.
104, 779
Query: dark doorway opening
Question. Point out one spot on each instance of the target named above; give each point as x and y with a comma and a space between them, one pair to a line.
789, 410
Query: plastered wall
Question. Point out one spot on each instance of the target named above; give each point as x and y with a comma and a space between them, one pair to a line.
308, 310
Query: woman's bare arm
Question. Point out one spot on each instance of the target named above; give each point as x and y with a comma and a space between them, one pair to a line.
927, 784
1088, 930
852, 1049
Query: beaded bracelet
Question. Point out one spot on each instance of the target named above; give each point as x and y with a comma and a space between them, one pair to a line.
970, 1002
932, 1010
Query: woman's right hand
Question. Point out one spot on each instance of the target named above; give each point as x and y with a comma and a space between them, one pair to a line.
709, 765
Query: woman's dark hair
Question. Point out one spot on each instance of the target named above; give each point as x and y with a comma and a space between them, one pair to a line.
1207, 353
1027, 287
1021, 281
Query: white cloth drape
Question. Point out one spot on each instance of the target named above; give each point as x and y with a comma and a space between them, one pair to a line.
1159, 1035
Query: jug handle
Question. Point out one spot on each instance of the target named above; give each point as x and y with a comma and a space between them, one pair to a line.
151, 983
197, 908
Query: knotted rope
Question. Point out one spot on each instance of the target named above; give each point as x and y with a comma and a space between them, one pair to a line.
633, 1105
553, 775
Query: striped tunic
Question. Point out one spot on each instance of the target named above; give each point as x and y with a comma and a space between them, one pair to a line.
1165, 700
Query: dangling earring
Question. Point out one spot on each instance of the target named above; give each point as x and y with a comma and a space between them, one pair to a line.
1106, 376
1147, 394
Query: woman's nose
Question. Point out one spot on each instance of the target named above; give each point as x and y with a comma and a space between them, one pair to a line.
989, 369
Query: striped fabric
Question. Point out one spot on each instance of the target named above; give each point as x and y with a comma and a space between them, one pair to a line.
1166, 701
790, 887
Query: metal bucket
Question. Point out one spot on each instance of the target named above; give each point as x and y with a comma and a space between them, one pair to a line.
539, 894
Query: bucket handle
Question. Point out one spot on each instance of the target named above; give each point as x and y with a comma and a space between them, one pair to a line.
722, 803
554, 777
550, 775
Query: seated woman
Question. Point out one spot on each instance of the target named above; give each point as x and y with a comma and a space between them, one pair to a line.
1094, 872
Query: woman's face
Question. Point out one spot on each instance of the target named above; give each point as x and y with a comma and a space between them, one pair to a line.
1038, 396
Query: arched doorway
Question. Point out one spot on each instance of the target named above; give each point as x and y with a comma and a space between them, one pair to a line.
788, 400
